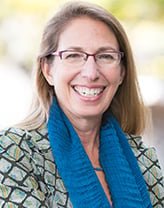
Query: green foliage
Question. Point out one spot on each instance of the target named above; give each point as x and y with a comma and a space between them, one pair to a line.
132, 9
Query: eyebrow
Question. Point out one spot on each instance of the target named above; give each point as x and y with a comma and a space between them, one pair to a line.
104, 48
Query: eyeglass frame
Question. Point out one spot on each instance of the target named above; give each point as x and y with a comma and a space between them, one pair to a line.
59, 53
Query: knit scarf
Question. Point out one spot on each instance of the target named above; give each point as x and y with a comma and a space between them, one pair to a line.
123, 176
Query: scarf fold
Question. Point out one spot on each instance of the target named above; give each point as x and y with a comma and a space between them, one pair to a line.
124, 178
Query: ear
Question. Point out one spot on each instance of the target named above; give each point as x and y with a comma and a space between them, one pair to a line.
46, 69
122, 74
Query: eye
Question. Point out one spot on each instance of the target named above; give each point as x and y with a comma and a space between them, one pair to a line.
72, 55
106, 56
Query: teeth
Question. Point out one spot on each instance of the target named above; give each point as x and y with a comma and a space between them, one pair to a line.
87, 92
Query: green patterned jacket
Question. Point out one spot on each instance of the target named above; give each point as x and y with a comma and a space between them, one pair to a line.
29, 177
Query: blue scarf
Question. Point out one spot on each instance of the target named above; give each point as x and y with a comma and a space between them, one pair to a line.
124, 178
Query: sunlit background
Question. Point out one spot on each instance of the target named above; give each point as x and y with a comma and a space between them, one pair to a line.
21, 25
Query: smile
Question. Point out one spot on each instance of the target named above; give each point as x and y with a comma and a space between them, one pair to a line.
88, 92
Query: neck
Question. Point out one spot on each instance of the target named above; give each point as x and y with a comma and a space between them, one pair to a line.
88, 132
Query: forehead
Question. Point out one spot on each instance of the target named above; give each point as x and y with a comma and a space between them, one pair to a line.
86, 32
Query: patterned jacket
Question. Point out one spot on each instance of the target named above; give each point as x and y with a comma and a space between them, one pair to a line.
29, 176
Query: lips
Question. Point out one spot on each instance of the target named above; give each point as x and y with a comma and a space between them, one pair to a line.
88, 92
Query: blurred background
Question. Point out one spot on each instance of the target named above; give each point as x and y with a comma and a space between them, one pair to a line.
21, 25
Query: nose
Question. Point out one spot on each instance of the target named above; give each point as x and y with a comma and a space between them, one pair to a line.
90, 69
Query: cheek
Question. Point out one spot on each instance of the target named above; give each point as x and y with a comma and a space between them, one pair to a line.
62, 75
62, 81
114, 77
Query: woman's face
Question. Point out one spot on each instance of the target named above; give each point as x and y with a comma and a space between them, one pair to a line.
88, 90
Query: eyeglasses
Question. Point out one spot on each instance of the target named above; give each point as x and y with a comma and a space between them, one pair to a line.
78, 58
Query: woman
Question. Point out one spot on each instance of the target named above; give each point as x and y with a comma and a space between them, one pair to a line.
71, 150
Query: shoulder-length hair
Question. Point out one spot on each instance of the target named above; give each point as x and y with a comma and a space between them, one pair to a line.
127, 105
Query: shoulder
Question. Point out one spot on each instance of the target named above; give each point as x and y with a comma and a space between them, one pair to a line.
22, 167
27, 162
12, 145
24, 141
150, 168
30, 148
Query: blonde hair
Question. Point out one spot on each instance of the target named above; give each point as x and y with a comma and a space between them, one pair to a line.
127, 105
